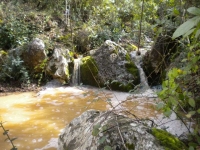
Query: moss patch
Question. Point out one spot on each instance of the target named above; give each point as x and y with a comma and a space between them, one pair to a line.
130, 146
121, 87
167, 140
89, 71
131, 68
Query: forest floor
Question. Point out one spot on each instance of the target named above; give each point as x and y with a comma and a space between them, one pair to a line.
8, 88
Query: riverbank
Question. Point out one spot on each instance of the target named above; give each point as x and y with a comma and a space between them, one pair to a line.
12, 87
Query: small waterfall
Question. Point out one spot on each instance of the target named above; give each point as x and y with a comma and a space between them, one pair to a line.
76, 72
143, 80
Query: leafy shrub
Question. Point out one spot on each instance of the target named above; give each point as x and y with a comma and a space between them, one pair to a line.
12, 69
182, 87
15, 27
81, 41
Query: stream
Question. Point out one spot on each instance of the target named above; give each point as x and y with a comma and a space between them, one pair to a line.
36, 119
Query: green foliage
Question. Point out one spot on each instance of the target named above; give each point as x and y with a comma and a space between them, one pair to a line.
132, 68
81, 41
40, 76
13, 69
167, 140
190, 26
181, 88
15, 30
89, 71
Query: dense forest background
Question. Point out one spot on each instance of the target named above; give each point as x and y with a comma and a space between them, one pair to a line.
83, 25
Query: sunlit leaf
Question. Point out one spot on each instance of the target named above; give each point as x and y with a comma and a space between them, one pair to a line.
190, 114
194, 11
197, 33
189, 32
114, 81
186, 26
176, 12
191, 102
173, 101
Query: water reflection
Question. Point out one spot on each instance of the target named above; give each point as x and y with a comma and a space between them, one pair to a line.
36, 119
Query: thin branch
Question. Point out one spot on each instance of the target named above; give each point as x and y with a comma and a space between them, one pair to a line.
140, 30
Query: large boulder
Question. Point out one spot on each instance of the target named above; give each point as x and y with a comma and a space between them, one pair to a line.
110, 64
94, 130
34, 55
158, 59
57, 66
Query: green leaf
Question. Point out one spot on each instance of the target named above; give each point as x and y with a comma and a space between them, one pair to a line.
191, 148
191, 102
167, 113
102, 139
198, 110
160, 105
190, 114
173, 101
197, 33
186, 26
194, 11
107, 147
189, 32
104, 128
114, 81
95, 131
176, 12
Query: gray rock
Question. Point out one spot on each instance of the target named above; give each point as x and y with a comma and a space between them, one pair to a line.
114, 64
57, 66
34, 55
110, 129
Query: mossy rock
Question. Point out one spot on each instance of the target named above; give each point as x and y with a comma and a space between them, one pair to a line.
89, 71
130, 146
132, 68
121, 87
167, 140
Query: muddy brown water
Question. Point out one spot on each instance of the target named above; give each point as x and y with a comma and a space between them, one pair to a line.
36, 119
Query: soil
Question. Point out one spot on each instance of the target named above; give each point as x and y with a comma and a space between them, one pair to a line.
8, 88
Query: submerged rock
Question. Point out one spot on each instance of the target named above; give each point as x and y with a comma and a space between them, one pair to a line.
94, 130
